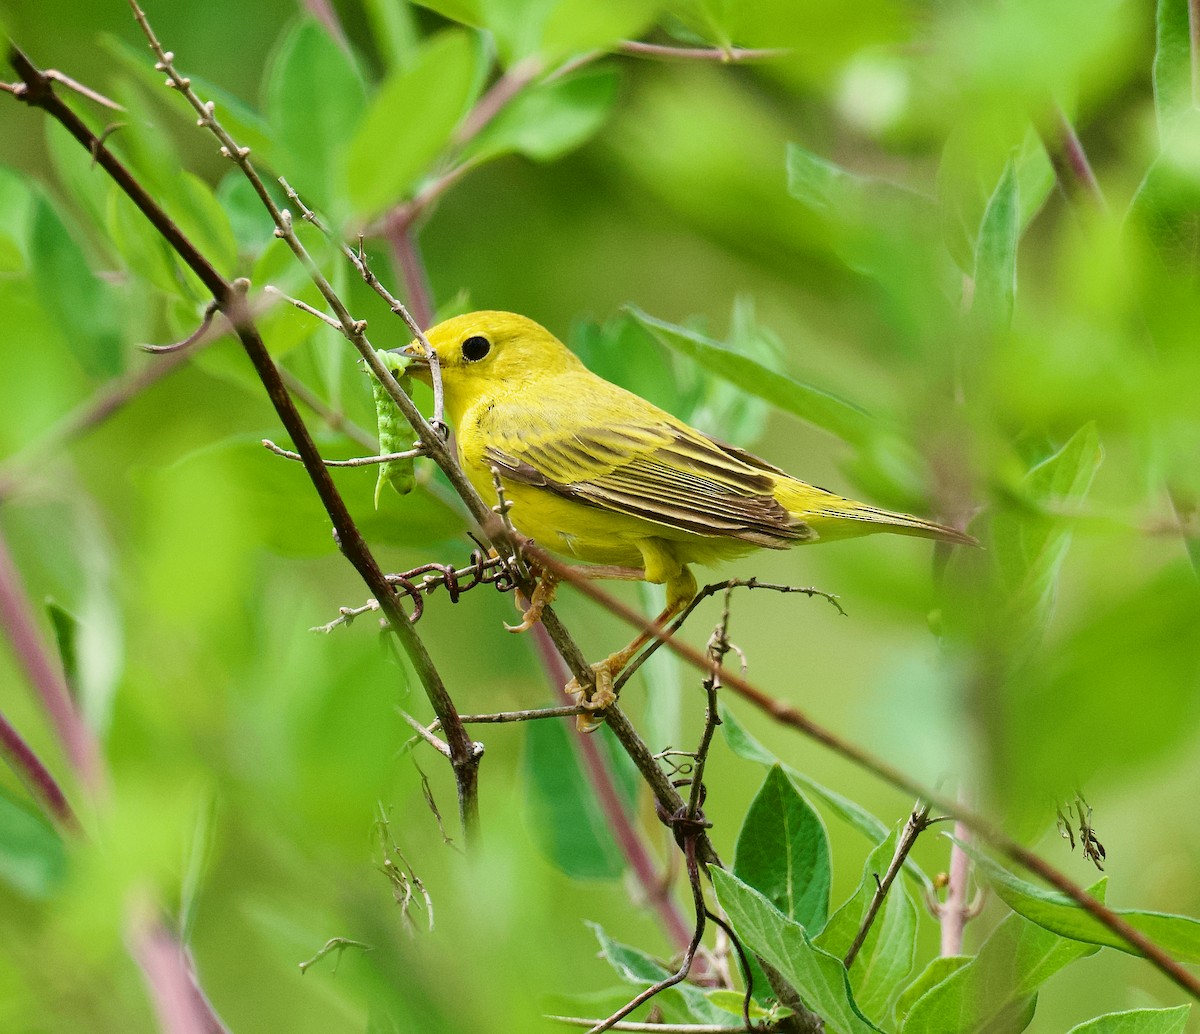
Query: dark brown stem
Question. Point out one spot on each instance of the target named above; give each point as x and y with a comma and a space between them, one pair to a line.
230, 298
917, 823
792, 717
693, 870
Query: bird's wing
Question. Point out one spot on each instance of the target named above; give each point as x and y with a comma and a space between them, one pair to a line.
658, 470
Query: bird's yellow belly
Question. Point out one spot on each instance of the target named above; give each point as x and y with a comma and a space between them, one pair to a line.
598, 536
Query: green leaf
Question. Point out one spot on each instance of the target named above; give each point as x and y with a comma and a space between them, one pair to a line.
142, 250
84, 306
1029, 548
638, 968
1059, 914
468, 12
33, 860
277, 503
783, 852
855, 815
819, 407
872, 223
1137, 1021
393, 30
66, 638
984, 994
1164, 216
547, 120
580, 26
565, 819
889, 950
1172, 64
818, 976
408, 123
996, 252
315, 96
932, 975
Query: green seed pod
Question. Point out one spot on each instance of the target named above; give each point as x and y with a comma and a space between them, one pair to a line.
395, 434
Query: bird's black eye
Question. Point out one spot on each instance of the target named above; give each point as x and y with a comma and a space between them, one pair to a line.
475, 348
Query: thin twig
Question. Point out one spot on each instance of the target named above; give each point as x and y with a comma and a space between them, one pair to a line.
338, 944
357, 461
682, 826
658, 1028
41, 784
917, 823
1070, 161
701, 595
193, 338
533, 714
724, 55
437, 744
304, 307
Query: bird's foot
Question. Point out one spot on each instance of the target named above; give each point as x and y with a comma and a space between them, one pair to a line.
601, 696
543, 595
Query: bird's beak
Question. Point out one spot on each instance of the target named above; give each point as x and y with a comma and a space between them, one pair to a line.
420, 360
414, 352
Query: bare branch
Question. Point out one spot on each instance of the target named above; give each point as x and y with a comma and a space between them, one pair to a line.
917, 823
195, 336
724, 55
358, 461
338, 944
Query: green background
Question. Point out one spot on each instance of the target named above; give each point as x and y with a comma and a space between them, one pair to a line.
248, 758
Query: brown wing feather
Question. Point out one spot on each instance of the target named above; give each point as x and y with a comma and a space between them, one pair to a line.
663, 473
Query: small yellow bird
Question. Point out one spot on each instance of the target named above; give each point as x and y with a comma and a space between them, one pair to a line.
597, 473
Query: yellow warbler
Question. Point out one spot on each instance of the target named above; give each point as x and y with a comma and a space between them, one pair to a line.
599, 474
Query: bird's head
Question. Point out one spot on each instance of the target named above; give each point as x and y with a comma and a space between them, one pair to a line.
484, 353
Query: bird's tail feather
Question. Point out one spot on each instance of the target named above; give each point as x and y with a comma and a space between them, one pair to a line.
834, 517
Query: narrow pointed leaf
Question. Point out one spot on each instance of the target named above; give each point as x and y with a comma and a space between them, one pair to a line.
1178, 934
806, 401
996, 253
1137, 1021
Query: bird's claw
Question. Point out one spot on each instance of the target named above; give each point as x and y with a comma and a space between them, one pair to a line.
601, 696
543, 596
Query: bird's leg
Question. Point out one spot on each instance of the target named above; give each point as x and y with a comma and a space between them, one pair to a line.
680, 590
543, 594
547, 586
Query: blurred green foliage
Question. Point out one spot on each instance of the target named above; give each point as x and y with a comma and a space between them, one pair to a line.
848, 254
